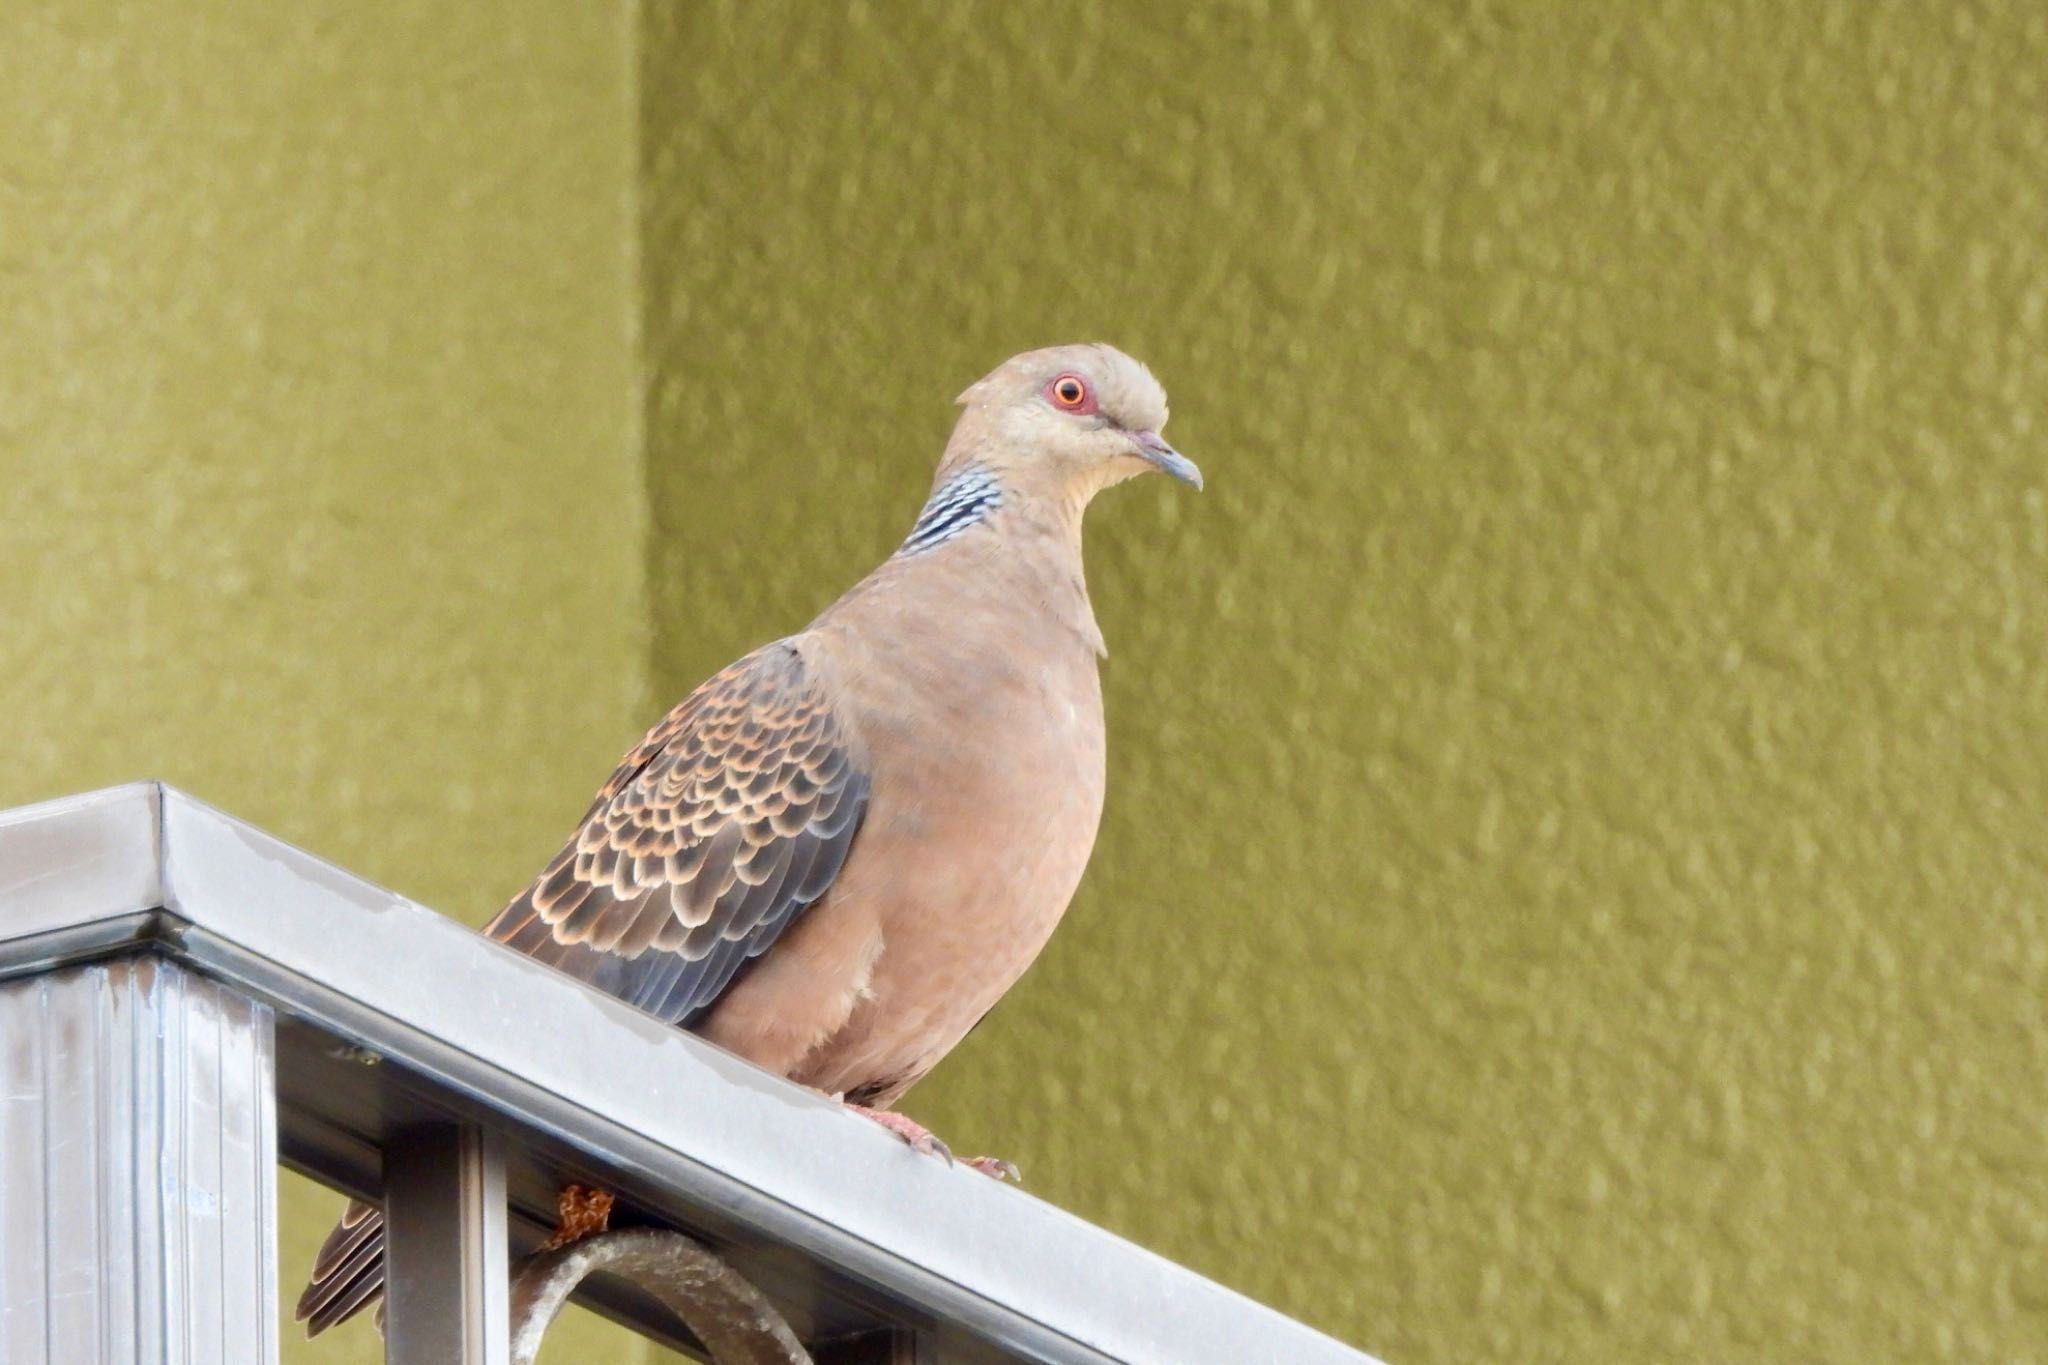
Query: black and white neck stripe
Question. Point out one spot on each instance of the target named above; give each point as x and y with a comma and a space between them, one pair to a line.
961, 502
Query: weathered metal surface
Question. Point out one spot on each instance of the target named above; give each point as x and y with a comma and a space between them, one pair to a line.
444, 1247
138, 1169
844, 1229
735, 1323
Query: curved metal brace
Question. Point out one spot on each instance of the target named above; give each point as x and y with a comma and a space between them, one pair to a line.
729, 1316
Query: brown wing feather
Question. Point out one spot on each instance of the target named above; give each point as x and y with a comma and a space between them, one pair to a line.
721, 827
692, 843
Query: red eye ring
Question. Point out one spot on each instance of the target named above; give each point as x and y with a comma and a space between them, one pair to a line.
1070, 393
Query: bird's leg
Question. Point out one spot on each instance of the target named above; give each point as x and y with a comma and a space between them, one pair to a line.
920, 1138
580, 1211
925, 1140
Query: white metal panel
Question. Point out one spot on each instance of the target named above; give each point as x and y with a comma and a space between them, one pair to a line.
24, 1250
90, 857
138, 1181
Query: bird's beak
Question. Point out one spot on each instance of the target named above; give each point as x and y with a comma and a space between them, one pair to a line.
1152, 447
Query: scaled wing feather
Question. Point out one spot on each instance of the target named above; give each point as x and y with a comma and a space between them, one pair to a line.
729, 820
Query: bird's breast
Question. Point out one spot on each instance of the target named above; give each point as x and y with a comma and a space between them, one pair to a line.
987, 793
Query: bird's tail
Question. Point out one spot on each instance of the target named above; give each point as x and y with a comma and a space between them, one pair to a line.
348, 1274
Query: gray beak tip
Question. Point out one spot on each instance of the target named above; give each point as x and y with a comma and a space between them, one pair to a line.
1153, 447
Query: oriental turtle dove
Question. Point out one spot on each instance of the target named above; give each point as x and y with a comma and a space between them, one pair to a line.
834, 856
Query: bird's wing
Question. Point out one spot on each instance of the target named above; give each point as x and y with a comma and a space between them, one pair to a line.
727, 822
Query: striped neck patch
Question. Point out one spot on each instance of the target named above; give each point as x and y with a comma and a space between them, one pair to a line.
963, 501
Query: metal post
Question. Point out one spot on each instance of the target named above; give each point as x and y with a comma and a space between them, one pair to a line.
138, 1170
444, 1215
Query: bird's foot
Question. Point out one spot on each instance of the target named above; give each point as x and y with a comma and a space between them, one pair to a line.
924, 1140
995, 1168
580, 1211
920, 1138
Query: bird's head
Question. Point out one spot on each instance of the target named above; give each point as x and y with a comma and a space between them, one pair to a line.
1067, 421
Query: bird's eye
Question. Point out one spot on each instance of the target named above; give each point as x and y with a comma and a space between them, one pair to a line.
1070, 391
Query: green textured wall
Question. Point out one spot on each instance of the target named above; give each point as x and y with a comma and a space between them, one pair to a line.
1569, 887
319, 491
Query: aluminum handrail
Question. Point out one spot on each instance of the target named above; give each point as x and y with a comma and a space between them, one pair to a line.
391, 1017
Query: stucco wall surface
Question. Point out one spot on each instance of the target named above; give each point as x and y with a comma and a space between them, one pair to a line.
1570, 889
319, 483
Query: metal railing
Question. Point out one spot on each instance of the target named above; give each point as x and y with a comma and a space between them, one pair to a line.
186, 1001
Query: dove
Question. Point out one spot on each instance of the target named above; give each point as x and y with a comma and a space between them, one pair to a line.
838, 853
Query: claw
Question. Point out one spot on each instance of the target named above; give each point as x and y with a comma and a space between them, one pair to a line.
995, 1168
920, 1138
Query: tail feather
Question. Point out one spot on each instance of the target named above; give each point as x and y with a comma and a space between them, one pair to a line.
348, 1274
